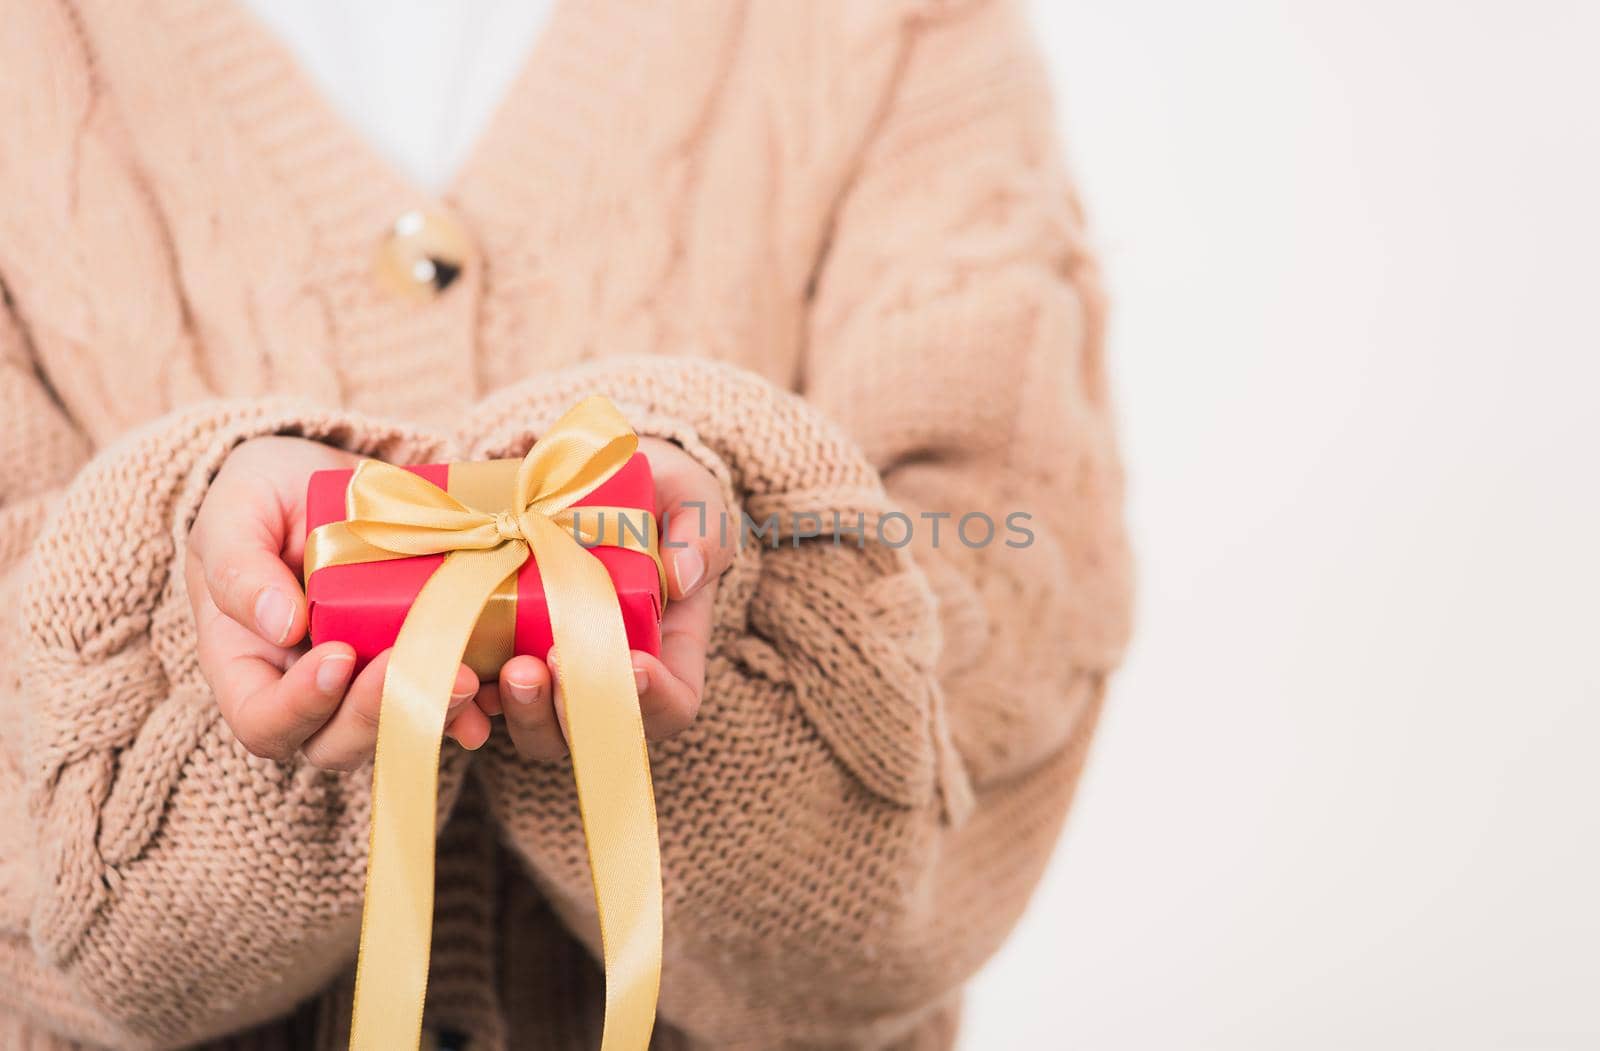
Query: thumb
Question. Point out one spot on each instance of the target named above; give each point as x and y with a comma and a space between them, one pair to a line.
238, 539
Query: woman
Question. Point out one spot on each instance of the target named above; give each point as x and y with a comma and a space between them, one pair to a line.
823, 258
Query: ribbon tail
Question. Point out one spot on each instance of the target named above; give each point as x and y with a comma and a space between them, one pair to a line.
612, 769
397, 922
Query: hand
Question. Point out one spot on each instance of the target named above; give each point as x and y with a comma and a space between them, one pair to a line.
695, 553
243, 573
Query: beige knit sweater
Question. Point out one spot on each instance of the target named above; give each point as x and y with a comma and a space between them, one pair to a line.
825, 246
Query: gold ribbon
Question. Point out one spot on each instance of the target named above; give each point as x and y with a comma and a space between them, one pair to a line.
393, 513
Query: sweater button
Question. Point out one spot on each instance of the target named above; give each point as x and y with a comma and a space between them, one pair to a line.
422, 255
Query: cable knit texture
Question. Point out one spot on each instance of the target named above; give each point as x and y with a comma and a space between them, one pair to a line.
827, 247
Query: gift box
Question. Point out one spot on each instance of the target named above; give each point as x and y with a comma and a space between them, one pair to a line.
445, 558
365, 604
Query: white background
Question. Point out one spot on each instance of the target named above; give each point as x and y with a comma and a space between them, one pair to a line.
1347, 791
1345, 794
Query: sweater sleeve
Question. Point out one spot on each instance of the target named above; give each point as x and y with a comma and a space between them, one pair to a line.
891, 729
158, 884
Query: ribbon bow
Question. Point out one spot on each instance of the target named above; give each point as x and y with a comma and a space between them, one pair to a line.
393, 513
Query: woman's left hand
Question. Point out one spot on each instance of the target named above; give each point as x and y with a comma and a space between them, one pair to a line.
699, 543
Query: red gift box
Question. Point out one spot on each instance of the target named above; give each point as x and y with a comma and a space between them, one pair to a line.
365, 604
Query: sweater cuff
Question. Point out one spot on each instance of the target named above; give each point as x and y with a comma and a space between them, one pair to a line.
851, 622
771, 449
110, 651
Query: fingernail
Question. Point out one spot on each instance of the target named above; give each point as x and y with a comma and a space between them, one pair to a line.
523, 692
690, 567
641, 679
334, 671
274, 615
459, 698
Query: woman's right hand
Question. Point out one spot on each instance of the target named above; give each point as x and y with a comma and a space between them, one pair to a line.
243, 574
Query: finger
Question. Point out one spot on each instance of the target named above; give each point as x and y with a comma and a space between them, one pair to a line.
238, 539
667, 704
271, 711
200, 601
700, 537
469, 727
488, 700
685, 637
527, 699
350, 737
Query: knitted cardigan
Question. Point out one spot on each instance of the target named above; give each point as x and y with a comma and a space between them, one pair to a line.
826, 247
